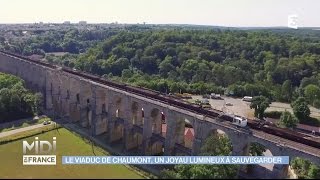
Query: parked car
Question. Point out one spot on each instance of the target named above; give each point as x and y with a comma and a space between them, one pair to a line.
206, 96
247, 98
229, 104
46, 122
205, 101
197, 101
216, 96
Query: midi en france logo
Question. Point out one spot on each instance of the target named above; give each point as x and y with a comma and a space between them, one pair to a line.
39, 152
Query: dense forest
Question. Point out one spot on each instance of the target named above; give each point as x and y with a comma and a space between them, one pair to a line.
270, 64
41, 42
15, 100
279, 64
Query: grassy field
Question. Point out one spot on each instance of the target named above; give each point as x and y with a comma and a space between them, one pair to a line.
24, 134
67, 144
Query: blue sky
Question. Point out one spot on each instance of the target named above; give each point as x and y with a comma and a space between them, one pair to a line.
204, 12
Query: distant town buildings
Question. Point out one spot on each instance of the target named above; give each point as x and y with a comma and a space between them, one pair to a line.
82, 22
66, 22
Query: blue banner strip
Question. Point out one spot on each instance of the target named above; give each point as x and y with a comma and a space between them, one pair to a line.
175, 159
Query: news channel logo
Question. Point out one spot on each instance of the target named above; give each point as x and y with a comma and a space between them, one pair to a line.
293, 21
39, 152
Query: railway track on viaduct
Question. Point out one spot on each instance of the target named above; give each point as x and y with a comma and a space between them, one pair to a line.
159, 97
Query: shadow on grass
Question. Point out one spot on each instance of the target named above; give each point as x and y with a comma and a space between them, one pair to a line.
92, 146
56, 127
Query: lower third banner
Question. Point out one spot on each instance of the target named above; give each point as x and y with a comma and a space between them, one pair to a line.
175, 159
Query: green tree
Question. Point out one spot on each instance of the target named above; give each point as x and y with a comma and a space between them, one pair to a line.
305, 169
286, 91
148, 64
15, 101
2, 39
269, 65
5, 98
308, 80
218, 145
314, 172
37, 100
249, 62
257, 149
204, 55
126, 73
30, 100
166, 66
259, 104
288, 120
169, 174
119, 65
301, 109
312, 93
215, 145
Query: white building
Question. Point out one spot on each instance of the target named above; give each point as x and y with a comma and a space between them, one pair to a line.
82, 22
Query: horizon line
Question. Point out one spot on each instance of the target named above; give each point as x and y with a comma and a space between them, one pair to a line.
144, 23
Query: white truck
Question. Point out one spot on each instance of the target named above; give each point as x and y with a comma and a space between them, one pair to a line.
247, 98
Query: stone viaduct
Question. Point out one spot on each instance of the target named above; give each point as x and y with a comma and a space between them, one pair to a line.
135, 120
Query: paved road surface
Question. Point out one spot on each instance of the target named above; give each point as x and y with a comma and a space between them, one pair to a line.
11, 132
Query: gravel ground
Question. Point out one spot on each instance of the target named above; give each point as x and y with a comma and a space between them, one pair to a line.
278, 106
238, 107
242, 108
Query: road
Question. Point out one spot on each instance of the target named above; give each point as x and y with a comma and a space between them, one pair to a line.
15, 131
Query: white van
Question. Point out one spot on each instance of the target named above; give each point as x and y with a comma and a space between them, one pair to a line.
247, 98
239, 121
